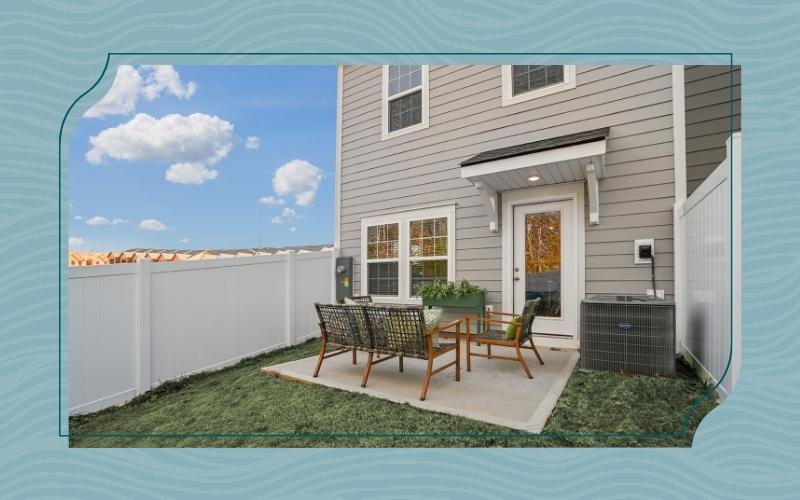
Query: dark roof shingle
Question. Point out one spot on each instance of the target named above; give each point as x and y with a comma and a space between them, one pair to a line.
537, 146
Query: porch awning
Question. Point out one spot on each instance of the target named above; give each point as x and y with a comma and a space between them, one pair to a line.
567, 158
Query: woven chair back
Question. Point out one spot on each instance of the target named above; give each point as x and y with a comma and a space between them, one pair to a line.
344, 325
399, 329
362, 300
526, 319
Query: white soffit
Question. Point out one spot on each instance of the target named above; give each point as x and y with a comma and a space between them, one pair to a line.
569, 163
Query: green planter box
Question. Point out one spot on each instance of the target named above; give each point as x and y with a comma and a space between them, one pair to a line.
475, 302
467, 302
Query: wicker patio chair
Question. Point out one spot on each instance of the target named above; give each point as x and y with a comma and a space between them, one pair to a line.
362, 300
401, 331
343, 327
497, 335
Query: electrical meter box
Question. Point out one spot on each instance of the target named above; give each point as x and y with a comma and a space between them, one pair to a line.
344, 278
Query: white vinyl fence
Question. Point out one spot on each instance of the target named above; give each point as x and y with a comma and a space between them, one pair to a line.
709, 272
133, 326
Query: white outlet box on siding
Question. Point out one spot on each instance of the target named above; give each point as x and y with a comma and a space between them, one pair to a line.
636, 244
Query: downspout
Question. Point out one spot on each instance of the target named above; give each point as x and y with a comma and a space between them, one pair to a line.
337, 207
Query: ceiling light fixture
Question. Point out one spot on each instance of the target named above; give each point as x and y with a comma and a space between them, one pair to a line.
533, 178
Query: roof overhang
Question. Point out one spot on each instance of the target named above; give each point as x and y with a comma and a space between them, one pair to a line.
570, 158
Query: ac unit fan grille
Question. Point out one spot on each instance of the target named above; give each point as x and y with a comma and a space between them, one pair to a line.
632, 337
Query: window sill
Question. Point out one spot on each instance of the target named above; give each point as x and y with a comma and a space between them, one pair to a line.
527, 96
413, 128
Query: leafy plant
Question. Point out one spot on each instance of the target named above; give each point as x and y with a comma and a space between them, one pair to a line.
436, 290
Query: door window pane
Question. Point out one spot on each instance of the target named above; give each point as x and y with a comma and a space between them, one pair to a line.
543, 261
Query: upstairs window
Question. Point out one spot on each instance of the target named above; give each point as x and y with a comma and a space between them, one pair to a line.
524, 82
405, 99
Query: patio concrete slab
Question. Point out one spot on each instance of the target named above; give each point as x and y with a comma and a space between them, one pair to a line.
495, 391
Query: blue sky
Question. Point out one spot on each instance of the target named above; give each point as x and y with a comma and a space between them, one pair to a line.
168, 159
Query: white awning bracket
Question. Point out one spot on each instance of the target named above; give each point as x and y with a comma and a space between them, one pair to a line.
489, 199
569, 158
591, 171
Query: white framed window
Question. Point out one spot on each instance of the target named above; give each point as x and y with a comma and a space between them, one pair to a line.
521, 82
383, 258
400, 251
404, 99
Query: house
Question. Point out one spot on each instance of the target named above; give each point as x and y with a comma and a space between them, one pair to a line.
77, 258
531, 181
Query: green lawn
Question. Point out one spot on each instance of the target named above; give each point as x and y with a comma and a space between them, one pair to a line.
239, 400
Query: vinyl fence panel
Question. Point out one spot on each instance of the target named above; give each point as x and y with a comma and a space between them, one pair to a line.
710, 270
134, 326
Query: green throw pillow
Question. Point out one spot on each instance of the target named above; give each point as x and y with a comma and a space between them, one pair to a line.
511, 330
433, 317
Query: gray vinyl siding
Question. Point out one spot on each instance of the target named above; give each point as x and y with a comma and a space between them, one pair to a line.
466, 118
708, 111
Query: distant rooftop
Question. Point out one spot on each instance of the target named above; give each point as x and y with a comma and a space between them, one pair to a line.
78, 258
253, 250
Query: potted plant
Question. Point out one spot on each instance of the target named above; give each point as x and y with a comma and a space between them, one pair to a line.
462, 294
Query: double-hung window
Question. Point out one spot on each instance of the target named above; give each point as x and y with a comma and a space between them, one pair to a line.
405, 99
382, 259
523, 82
427, 251
401, 251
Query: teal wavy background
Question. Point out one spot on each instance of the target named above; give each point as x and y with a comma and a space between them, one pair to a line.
52, 52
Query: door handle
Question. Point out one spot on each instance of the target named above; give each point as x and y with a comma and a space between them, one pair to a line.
516, 278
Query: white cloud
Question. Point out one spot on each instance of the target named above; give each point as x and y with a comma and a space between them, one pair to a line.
172, 138
271, 201
298, 178
184, 240
130, 83
121, 97
292, 229
76, 242
277, 220
78, 217
190, 173
164, 77
289, 213
151, 225
252, 142
98, 220
188, 142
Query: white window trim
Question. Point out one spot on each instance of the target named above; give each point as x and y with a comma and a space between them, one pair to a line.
385, 134
404, 268
508, 92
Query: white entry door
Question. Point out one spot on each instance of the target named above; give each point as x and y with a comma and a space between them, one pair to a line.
545, 265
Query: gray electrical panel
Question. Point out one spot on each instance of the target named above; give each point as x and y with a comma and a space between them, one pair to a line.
344, 278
